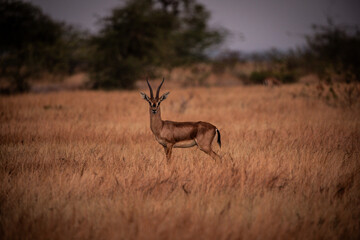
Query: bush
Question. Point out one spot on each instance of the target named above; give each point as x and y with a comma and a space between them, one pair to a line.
286, 77
258, 77
334, 51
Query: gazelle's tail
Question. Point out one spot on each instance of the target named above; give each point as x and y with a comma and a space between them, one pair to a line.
218, 137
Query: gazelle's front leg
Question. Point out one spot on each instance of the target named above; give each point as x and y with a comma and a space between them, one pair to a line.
168, 151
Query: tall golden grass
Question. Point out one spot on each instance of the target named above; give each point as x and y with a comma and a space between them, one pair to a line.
85, 165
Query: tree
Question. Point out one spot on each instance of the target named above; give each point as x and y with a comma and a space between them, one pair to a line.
335, 50
147, 33
32, 43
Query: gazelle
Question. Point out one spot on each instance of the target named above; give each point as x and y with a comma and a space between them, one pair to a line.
271, 82
179, 134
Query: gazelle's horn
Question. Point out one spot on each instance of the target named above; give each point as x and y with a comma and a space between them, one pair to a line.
158, 90
151, 92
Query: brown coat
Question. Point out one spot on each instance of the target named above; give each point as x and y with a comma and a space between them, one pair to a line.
179, 134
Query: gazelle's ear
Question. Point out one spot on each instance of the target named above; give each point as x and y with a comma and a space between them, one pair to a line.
164, 96
144, 96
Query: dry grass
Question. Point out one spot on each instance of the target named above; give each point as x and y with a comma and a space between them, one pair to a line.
85, 165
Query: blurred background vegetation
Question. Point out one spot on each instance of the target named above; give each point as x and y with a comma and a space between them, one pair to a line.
152, 38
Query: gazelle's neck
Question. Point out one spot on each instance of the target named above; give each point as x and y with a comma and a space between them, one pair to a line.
156, 122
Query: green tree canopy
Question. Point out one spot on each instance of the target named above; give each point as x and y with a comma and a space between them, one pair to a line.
146, 33
32, 43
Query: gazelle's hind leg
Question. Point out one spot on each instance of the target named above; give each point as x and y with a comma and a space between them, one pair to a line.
204, 142
212, 154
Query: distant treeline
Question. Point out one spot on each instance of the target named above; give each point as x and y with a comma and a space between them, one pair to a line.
142, 35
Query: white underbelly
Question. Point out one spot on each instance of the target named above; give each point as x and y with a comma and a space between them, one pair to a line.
181, 144
185, 144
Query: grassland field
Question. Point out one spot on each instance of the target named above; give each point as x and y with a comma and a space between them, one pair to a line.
85, 165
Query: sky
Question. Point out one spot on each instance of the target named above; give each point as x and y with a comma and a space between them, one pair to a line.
254, 25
